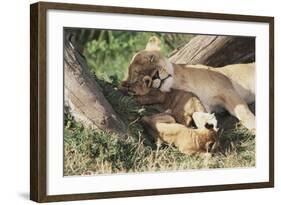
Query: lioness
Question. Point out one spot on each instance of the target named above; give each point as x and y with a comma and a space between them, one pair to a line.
187, 140
231, 87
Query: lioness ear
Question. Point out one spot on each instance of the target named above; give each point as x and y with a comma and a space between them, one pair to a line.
153, 44
147, 81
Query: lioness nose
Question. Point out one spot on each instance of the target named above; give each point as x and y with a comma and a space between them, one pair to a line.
125, 84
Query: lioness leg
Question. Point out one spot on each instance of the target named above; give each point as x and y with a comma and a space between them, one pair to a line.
153, 97
238, 107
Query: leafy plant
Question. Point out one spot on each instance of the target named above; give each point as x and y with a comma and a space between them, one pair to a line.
109, 54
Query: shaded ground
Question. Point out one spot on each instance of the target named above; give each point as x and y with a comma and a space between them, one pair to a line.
227, 121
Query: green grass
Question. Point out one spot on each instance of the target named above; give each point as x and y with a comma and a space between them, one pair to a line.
109, 55
100, 152
88, 151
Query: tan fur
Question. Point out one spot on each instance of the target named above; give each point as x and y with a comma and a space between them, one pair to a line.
142, 67
153, 44
231, 87
217, 89
187, 140
180, 103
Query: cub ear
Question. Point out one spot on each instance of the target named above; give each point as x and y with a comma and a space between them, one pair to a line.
147, 81
153, 44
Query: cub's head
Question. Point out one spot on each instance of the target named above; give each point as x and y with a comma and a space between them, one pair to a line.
143, 67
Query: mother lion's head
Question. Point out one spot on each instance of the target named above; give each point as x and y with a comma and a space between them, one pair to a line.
145, 66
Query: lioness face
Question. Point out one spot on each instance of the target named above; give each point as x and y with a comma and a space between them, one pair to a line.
144, 65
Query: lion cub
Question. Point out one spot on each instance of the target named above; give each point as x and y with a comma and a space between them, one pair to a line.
187, 140
180, 103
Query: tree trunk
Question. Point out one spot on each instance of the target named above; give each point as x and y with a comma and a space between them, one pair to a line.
84, 96
216, 51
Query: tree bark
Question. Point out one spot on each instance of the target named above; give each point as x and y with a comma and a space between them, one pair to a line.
216, 51
84, 96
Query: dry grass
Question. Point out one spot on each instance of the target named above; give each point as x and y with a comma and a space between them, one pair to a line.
98, 152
